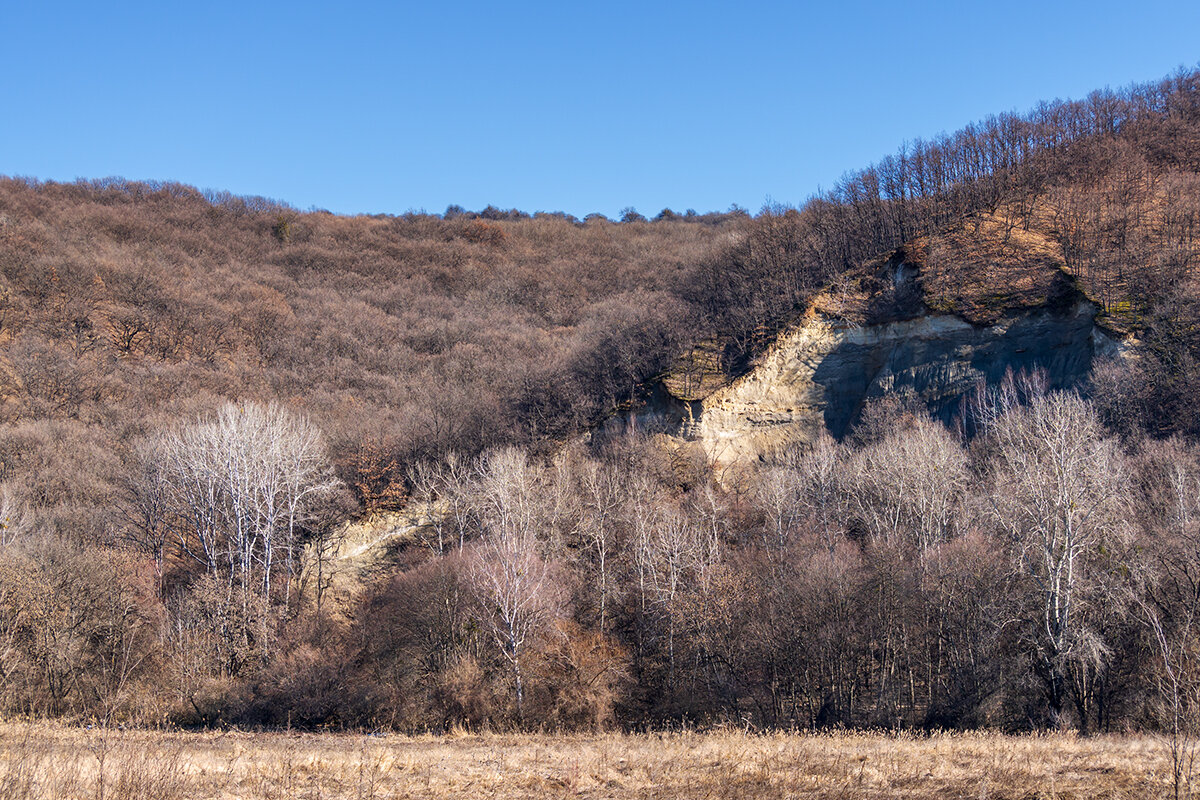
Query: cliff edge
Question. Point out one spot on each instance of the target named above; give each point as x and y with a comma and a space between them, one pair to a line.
935, 318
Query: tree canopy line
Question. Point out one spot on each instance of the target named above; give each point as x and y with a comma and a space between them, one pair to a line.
198, 391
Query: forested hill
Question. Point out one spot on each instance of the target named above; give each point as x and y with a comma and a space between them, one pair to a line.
126, 305
155, 339
129, 306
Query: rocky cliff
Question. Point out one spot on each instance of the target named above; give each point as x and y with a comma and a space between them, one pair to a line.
820, 371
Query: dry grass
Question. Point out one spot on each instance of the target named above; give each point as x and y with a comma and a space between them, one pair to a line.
49, 761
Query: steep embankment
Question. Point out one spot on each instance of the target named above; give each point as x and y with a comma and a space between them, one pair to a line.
935, 318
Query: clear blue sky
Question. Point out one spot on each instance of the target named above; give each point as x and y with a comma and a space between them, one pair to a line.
387, 107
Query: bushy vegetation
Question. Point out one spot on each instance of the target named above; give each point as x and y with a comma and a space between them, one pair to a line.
199, 392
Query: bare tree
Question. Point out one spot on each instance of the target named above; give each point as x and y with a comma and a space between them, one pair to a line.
778, 491
425, 480
444, 498
821, 472
671, 552
238, 488
1169, 603
601, 496
244, 483
15, 577
15, 517
1176, 649
906, 487
514, 583
146, 504
1057, 482
455, 490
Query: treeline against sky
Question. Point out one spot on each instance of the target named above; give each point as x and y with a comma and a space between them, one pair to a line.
125, 306
1112, 179
198, 390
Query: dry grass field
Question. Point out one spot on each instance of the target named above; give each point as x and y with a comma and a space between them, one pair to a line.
49, 761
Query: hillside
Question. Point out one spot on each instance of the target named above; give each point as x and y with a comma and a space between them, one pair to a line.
269, 467
126, 306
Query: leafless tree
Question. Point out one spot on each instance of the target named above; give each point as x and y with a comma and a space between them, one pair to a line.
146, 503
514, 583
1057, 484
237, 489
777, 491
671, 552
907, 487
15, 575
15, 517
601, 496
1169, 601
821, 470
1176, 649
244, 483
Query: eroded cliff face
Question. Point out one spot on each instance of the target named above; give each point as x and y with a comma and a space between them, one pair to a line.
820, 373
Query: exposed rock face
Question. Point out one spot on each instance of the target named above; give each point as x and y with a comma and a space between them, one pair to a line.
820, 373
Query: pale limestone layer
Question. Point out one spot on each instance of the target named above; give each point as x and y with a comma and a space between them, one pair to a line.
820, 374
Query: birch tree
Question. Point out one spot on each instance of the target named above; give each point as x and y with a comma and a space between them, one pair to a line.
513, 581
238, 489
601, 497
1169, 605
242, 485
1057, 482
906, 487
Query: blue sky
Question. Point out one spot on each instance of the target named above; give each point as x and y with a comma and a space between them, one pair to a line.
580, 107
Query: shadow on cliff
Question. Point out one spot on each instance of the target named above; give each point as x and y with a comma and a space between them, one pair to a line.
942, 358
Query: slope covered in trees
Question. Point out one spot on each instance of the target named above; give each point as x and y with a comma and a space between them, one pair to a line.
198, 391
127, 306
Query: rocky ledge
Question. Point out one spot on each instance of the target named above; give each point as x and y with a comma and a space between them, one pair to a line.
819, 372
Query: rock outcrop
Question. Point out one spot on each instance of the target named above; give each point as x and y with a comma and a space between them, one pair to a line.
818, 373
821, 373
